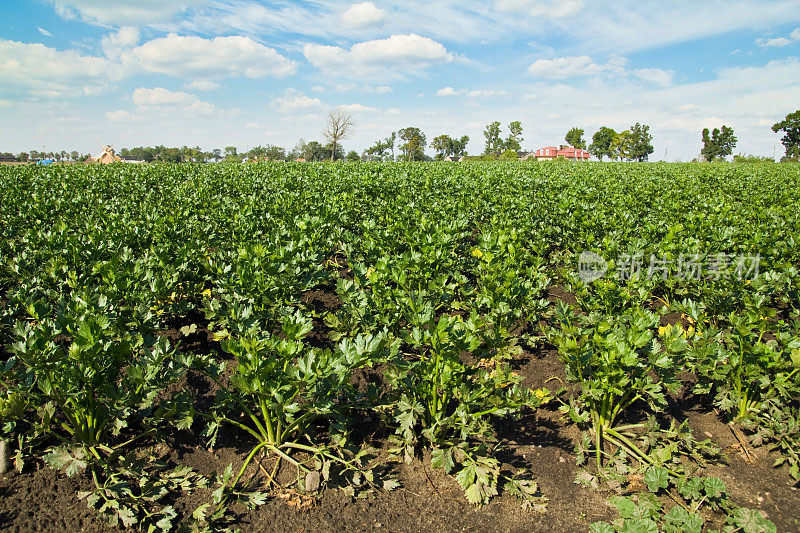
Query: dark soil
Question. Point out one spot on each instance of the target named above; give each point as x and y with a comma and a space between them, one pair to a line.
428, 500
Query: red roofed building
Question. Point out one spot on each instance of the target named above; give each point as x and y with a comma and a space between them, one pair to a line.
567, 152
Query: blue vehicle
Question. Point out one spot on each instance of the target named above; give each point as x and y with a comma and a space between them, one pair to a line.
44, 162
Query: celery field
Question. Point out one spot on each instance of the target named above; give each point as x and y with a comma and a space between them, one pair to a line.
209, 347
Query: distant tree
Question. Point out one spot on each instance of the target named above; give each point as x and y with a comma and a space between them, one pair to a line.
380, 150
23, 157
74, 155
390, 142
637, 145
514, 139
414, 143
458, 147
575, 139
216, 154
339, 127
746, 158
602, 142
352, 155
442, 144
719, 143
621, 145
790, 126
494, 144
231, 154
337, 151
509, 155
274, 153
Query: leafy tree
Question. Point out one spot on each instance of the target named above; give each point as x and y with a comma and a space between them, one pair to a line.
337, 151
441, 144
413, 147
339, 127
637, 144
23, 157
575, 139
514, 140
274, 153
790, 126
352, 155
719, 143
602, 143
216, 154
509, 155
446, 146
231, 154
390, 142
494, 144
620, 145
458, 147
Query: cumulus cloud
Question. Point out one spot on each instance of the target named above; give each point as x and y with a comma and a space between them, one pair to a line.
189, 56
362, 15
447, 91
569, 67
159, 97
113, 12
395, 54
114, 43
36, 69
539, 9
358, 108
294, 100
779, 42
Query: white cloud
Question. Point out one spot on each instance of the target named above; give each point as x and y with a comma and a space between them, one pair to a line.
569, 67
115, 12
294, 100
447, 91
393, 112
541, 9
252, 125
44, 32
363, 14
564, 67
778, 42
202, 85
395, 54
114, 43
657, 76
121, 116
41, 71
484, 93
358, 108
477, 93
159, 97
185, 56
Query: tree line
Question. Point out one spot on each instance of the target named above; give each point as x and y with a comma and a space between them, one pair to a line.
409, 144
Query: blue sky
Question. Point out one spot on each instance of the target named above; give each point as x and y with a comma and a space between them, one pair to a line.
215, 73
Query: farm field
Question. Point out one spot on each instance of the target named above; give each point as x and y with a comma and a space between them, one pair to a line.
400, 347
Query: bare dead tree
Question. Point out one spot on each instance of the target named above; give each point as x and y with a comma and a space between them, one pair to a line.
339, 127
